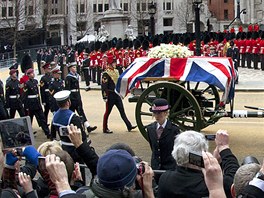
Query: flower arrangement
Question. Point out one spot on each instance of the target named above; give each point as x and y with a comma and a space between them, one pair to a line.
169, 51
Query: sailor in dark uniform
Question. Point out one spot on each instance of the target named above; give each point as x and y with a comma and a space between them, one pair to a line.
3, 111
109, 79
72, 84
13, 100
63, 117
56, 85
32, 102
44, 89
85, 69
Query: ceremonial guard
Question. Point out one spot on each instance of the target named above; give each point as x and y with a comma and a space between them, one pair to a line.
249, 48
3, 111
98, 62
212, 52
13, 100
255, 50
15, 67
242, 50
64, 117
119, 57
125, 54
92, 57
44, 89
32, 102
109, 80
233, 52
56, 85
261, 45
72, 84
86, 70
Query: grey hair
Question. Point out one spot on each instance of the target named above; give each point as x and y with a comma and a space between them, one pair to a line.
244, 175
188, 141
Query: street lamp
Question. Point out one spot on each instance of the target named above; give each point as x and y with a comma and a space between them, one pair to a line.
197, 26
152, 11
70, 40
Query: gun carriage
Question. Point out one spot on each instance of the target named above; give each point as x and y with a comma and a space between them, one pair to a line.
191, 85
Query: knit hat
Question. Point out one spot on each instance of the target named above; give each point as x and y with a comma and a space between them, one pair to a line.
159, 105
116, 169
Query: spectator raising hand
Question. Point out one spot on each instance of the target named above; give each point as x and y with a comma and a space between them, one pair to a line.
213, 176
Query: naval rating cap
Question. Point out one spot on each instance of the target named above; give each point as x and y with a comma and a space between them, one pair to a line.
62, 95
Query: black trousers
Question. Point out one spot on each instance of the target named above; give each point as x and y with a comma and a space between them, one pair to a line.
243, 60
93, 74
3, 112
114, 99
77, 106
87, 76
40, 117
262, 61
255, 60
21, 112
46, 111
99, 71
249, 58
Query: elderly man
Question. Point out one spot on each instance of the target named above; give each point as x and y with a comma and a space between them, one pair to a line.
188, 180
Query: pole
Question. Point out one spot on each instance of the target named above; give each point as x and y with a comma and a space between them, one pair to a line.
152, 25
238, 10
197, 30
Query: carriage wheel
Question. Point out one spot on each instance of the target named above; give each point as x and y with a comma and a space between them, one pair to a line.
185, 111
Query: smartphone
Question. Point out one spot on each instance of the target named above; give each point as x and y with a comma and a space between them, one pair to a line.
19, 151
63, 131
196, 159
210, 137
41, 163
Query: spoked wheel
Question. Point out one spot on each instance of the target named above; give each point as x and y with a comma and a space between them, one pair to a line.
207, 97
185, 111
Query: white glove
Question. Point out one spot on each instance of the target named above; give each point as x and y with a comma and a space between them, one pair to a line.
44, 104
105, 100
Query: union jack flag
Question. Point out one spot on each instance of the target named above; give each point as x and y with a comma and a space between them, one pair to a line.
215, 71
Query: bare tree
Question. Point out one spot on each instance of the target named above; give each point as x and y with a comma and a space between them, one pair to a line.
18, 21
140, 14
184, 13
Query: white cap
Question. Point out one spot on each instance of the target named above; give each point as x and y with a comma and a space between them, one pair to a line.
62, 95
72, 64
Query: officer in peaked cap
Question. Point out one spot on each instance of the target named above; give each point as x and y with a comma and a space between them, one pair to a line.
72, 84
32, 101
13, 99
64, 117
55, 86
44, 89
13, 67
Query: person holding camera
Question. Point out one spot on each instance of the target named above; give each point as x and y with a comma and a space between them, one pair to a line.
64, 117
161, 135
187, 179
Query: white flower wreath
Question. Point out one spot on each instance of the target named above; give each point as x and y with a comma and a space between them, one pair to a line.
169, 51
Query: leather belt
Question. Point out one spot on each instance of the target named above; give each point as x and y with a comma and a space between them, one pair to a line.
32, 96
46, 90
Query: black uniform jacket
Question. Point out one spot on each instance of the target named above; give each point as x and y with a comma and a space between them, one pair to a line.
161, 158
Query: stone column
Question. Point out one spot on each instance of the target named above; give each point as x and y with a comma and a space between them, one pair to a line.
72, 24
158, 17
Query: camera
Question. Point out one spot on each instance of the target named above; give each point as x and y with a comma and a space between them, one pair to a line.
63, 131
210, 137
140, 165
196, 159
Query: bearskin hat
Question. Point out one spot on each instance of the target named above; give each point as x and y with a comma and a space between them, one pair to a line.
119, 44
97, 45
125, 43
26, 63
137, 44
155, 41
104, 47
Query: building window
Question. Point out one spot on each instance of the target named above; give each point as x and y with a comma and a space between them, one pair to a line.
225, 1
225, 14
144, 7
125, 7
54, 10
138, 7
10, 11
168, 5
94, 8
82, 8
167, 22
30, 10
106, 7
3, 11
100, 7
